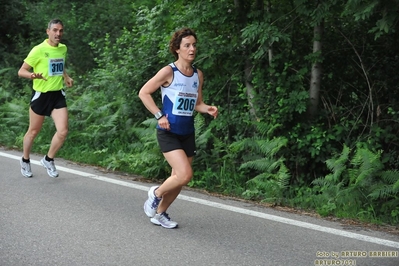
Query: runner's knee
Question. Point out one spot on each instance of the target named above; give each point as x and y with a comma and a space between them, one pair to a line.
33, 132
62, 133
185, 176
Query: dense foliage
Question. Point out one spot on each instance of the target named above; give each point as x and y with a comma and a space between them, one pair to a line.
307, 93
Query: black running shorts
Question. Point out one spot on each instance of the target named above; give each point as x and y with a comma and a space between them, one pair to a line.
170, 141
44, 103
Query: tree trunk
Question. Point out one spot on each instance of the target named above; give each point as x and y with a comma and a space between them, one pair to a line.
243, 8
270, 49
251, 93
315, 80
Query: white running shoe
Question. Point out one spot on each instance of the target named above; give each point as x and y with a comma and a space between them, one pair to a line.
163, 220
25, 169
151, 204
50, 166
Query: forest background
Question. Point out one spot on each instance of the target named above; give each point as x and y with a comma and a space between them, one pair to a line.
307, 92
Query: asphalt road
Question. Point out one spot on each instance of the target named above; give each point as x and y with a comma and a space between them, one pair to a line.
88, 217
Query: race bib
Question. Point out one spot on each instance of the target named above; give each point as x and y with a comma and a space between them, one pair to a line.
56, 67
185, 103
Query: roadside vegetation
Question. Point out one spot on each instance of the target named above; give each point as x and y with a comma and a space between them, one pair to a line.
307, 94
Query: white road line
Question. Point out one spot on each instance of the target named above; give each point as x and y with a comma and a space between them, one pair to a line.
270, 217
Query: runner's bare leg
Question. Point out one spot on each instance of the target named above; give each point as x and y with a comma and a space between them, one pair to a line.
35, 125
60, 118
181, 175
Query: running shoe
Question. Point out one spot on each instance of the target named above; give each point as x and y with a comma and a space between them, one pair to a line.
50, 167
163, 220
151, 204
25, 169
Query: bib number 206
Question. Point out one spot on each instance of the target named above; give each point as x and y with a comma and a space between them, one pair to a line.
186, 104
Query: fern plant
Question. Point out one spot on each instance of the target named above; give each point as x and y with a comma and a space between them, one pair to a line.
387, 187
14, 122
260, 158
358, 187
146, 158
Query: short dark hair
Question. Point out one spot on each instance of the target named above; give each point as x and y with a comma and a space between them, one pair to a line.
54, 21
174, 43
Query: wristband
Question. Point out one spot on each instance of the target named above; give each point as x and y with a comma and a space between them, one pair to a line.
158, 115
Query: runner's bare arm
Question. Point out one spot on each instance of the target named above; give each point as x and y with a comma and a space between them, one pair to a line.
25, 72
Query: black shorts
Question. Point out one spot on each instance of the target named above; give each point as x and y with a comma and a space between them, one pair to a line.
43, 103
170, 142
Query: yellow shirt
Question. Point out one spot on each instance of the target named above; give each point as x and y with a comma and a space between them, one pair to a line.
50, 61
